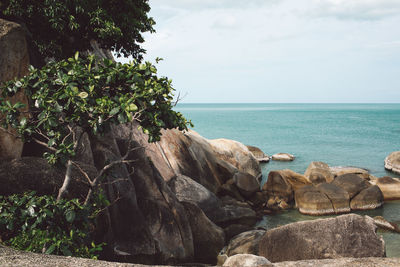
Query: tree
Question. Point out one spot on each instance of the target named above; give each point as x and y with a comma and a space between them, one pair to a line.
59, 28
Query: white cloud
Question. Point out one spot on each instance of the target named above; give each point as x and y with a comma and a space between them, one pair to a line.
355, 9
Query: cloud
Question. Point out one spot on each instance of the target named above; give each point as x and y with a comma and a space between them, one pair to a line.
355, 9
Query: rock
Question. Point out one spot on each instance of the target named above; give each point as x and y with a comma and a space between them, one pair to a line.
188, 190
390, 187
322, 199
318, 172
386, 225
258, 154
352, 183
283, 183
234, 214
283, 157
245, 243
30, 173
230, 189
392, 162
342, 236
312, 201
368, 199
208, 239
14, 63
342, 262
246, 183
341, 170
236, 154
247, 260
235, 229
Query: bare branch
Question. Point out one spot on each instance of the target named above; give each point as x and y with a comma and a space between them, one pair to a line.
44, 144
83, 172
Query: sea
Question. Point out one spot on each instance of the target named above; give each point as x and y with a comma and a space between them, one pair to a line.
359, 135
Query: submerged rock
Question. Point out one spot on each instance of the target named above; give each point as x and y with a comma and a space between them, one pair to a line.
392, 162
283, 157
343, 236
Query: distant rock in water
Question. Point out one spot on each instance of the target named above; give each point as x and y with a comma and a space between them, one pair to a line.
341, 170
392, 162
283, 157
259, 154
318, 172
389, 186
343, 236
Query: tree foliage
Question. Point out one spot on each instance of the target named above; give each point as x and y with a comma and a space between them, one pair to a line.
61, 27
33, 223
92, 94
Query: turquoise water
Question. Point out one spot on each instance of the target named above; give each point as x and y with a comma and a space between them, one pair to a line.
360, 135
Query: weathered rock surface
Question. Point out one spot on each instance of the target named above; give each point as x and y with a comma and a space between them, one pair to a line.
283, 183
259, 154
322, 199
369, 198
246, 260
342, 262
236, 154
392, 162
318, 172
343, 236
208, 239
245, 243
283, 157
14, 63
246, 183
389, 186
352, 183
386, 225
341, 170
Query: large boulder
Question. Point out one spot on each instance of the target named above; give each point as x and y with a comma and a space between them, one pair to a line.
367, 199
236, 154
259, 154
352, 183
245, 243
246, 260
342, 262
343, 236
283, 157
283, 183
392, 162
390, 187
322, 199
14, 63
246, 183
342, 170
208, 239
318, 172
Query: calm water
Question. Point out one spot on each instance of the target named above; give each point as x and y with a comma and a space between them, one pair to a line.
360, 135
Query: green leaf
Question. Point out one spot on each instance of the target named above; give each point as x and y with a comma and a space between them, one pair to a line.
132, 107
51, 249
70, 216
114, 111
23, 121
83, 94
76, 55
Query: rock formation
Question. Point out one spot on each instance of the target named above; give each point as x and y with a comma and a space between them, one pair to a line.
390, 187
259, 154
283, 157
392, 162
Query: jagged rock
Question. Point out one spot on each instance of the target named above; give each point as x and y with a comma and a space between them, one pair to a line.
318, 172
246, 183
283, 157
352, 183
343, 236
342, 262
342, 170
390, 187
367, 199
245, 243
392, 162
31, 173
14, 63
236, 154
208, 239
283, 183
259, 154
247, 260
188, 190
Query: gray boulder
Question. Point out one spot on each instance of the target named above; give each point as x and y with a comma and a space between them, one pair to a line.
343, 236
318, 172
390, 187
246, 260
367, 199
245, 243
392, 162
352, 183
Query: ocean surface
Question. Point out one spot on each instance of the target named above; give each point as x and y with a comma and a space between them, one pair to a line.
359, 135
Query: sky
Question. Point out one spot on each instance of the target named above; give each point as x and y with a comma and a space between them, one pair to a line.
278, 51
